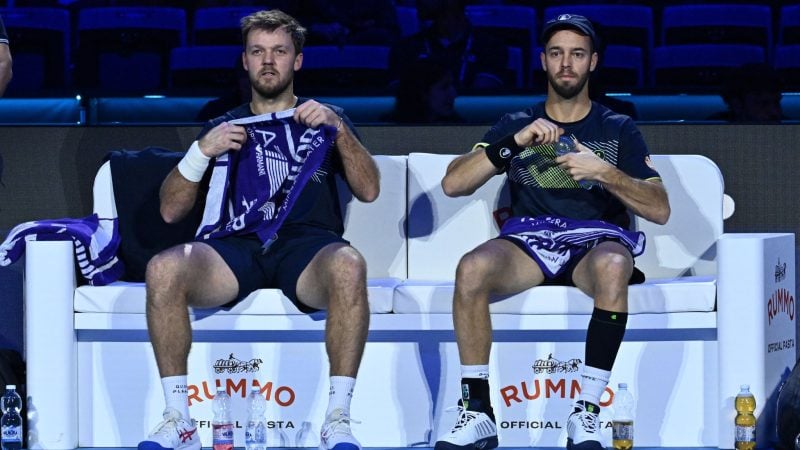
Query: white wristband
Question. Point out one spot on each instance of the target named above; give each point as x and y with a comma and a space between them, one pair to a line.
194, 164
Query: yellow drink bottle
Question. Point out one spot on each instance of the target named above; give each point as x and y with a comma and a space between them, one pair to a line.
745, 420
622, 426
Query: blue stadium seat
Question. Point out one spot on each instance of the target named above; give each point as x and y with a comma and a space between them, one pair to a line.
40, 46
629, 25
717, 24
515, 25
126, 50
408, 20
329, 68
622, 67
789, 25
787, 63
702, 65
205, 67
220, 25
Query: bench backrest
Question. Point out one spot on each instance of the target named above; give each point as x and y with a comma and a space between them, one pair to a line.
441, 229
376, 229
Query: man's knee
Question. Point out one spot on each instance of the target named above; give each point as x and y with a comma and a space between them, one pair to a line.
613, 266
473, 270
163, 273
348, 267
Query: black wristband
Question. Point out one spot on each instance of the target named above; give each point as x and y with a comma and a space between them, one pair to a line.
501, 152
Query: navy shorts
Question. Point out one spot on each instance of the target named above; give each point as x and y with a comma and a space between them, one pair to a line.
279, 267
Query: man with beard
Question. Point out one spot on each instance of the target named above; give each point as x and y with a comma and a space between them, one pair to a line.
560, 233
307, 258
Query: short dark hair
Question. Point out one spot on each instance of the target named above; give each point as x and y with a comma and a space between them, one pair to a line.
271, 20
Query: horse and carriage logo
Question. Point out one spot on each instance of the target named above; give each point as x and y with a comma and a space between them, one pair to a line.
236, 365
553, 365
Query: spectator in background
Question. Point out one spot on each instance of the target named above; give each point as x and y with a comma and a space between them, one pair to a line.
5, 59
426, 93
477, 59
753, 94
349, 22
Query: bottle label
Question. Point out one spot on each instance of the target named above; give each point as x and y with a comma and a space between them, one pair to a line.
622, 431
745, 433
12, 433
223, 436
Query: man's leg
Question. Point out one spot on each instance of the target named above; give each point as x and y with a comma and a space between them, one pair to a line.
495, 267
179, 277
336, 280
603, 274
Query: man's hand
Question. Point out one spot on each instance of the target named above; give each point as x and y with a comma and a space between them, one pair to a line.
313, 114
540, 131
222, 138
583, 164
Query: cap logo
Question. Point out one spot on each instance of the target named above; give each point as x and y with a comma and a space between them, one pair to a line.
565, 17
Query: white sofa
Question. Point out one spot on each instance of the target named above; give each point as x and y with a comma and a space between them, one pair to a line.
717, 311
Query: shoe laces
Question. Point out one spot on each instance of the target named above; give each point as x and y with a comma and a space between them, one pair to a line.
167, 426
465, 416
588, 420
338, 422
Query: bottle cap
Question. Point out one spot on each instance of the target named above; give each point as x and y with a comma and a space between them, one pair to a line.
623, 385
745, 387
11, 386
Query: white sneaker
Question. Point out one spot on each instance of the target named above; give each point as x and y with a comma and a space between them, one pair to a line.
473, 430
174, 432
583, 427
336, 434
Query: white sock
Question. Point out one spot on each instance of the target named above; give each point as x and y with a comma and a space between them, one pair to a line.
480, 371
340, 394
176, 394
593, 383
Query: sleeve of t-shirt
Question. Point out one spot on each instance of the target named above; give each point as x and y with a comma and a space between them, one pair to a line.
634, 156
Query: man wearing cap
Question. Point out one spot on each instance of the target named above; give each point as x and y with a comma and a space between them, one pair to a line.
569, 227
5, 59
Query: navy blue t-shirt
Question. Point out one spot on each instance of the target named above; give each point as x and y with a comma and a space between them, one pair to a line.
3, 34
318, 203
539, 187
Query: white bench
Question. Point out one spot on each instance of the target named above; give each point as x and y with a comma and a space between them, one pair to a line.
713, 314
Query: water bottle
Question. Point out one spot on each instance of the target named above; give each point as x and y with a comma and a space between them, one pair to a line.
566, 145
222, 424
745, 403
255, 435
622, 426
11, 422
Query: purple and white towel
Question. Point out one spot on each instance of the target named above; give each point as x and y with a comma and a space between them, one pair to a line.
96, 241
553, 241
268, 173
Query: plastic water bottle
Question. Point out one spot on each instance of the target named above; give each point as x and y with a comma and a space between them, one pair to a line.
11, 422
255, 435
222, 424
566, 145
622, 426
745, 420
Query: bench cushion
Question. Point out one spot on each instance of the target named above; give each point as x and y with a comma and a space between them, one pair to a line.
654, 296
129, 298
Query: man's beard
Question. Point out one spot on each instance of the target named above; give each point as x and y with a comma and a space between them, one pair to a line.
272, 90
567, 92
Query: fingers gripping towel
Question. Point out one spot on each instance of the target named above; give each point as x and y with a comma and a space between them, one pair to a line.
252, 189
96, 241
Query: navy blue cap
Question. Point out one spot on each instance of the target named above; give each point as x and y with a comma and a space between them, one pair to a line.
569, 22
